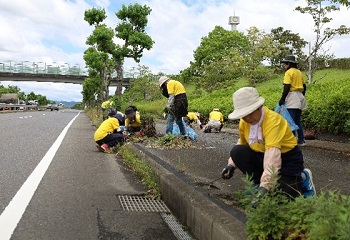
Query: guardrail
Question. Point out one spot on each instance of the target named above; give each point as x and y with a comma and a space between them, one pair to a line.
19, 107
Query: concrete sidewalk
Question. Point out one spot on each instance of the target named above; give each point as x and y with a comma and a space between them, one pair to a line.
205, 215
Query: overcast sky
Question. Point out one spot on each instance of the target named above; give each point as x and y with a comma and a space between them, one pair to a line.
55, 31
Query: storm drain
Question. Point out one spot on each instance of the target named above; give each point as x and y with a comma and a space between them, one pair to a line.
175, 227
144, 204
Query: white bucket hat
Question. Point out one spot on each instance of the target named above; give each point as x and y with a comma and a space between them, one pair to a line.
245, 101
162, 80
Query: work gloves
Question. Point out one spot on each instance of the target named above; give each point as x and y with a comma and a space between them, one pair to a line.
227, 172
261, 192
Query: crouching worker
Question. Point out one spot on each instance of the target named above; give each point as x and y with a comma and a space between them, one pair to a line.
132, 120
191, 118
216, 121
266, 142
108, 134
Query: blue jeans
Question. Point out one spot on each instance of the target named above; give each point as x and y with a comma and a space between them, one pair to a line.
169, 125
296, 115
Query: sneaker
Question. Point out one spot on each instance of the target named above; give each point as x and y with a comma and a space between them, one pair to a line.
100, 148
106, 148
308, 187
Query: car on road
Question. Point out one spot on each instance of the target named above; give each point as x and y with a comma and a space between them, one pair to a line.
54, 107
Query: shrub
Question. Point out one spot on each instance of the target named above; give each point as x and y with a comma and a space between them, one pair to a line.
328, 104
326, 216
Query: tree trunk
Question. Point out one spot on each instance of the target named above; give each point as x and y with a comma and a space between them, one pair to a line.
119, 89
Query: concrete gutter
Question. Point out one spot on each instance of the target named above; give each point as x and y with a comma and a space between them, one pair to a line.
205, 219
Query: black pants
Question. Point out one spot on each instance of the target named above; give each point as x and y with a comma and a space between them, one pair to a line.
252, 163
111, 139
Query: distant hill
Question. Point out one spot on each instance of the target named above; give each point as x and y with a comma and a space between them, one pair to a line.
68, 104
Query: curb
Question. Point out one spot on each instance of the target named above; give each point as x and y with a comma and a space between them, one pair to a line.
204, 219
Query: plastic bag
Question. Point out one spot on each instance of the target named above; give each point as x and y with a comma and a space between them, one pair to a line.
190, 132
284, 112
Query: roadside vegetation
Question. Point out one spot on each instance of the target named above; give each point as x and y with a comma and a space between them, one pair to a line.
325, 216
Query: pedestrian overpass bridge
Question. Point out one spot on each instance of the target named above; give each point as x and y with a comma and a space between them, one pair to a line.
26, 71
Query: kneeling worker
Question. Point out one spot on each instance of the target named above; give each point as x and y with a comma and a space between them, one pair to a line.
132, 119
108, 134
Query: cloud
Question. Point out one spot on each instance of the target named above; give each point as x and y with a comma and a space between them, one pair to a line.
55, 30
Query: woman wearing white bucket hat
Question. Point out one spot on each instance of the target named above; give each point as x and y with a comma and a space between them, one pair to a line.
265, 143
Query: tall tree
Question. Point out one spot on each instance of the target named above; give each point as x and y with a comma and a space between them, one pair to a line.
320, 10
131, 29
105, 56
261, 48
287, 43
216, 57
98, 57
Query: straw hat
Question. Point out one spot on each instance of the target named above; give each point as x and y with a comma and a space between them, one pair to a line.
162, 80
245, 101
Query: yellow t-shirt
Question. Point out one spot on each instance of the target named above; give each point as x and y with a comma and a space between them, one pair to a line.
135, 123
192, 116
275, 130
106, 127
295, 78
215, 115
107, 104
175, 87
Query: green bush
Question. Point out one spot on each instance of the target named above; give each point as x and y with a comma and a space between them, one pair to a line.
328, 104
326, 216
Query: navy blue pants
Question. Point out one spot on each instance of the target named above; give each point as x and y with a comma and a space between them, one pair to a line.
296, 115
111, 139
252, 163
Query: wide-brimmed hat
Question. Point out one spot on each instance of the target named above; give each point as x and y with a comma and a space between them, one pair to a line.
245, 101
289, 59
162, 80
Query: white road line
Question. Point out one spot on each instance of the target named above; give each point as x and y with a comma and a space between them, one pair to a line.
16, 208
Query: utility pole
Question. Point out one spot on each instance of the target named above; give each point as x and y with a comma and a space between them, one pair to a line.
310, 64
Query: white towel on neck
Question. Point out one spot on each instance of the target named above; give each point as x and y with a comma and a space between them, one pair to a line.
255, 134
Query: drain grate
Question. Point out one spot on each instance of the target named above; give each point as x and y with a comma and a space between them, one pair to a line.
142, 204
175, 227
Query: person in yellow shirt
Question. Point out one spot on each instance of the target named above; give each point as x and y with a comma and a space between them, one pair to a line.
177, 104
132, 119
293, 95
108, 134
266, 143
106, 105
193, 117
216, 121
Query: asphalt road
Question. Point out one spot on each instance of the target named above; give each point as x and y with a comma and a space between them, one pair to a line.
55, 184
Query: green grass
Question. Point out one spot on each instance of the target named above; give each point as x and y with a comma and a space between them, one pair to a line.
330, 86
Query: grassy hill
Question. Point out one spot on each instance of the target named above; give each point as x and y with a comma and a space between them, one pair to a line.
328, 100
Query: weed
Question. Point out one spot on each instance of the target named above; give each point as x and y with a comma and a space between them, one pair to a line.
140, 167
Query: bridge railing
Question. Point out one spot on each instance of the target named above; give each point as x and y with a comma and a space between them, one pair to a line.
50, 68
42, 68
